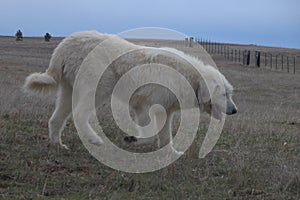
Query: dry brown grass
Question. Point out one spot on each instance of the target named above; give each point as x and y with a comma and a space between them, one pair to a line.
257, 156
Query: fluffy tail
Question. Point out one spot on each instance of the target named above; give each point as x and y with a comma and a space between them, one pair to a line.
41, 83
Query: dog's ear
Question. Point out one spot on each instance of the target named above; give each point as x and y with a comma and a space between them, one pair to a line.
203, 93
216, 111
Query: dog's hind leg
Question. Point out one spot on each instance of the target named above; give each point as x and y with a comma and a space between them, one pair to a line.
59, 117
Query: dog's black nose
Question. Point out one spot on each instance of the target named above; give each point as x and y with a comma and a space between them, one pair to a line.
234, 110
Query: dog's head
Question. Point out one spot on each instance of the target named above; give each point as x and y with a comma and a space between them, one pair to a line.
215, 97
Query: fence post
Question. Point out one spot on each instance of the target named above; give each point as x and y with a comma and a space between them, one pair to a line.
191, 41
186, 41
239, 56
246, 57
257, 58
221, 45
271, 60
235, 55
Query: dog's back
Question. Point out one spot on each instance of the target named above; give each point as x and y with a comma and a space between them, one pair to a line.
65, 61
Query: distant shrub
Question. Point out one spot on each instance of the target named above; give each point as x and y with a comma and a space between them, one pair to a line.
19, 35
47, 37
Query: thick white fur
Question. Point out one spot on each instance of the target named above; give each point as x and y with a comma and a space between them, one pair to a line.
40, 83
68, 57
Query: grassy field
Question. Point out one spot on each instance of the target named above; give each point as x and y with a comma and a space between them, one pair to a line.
257, 156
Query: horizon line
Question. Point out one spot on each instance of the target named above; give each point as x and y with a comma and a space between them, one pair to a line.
205, 40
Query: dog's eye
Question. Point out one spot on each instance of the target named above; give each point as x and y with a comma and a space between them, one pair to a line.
224, 95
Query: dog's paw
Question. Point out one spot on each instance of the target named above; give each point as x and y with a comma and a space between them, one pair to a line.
180, 153
130, 139
58, 145
64, 146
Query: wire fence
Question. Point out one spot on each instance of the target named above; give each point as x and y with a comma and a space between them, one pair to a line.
285, 62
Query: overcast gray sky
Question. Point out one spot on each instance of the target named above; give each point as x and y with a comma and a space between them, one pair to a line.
262, 22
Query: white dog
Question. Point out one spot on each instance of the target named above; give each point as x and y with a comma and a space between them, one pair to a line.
69, 55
